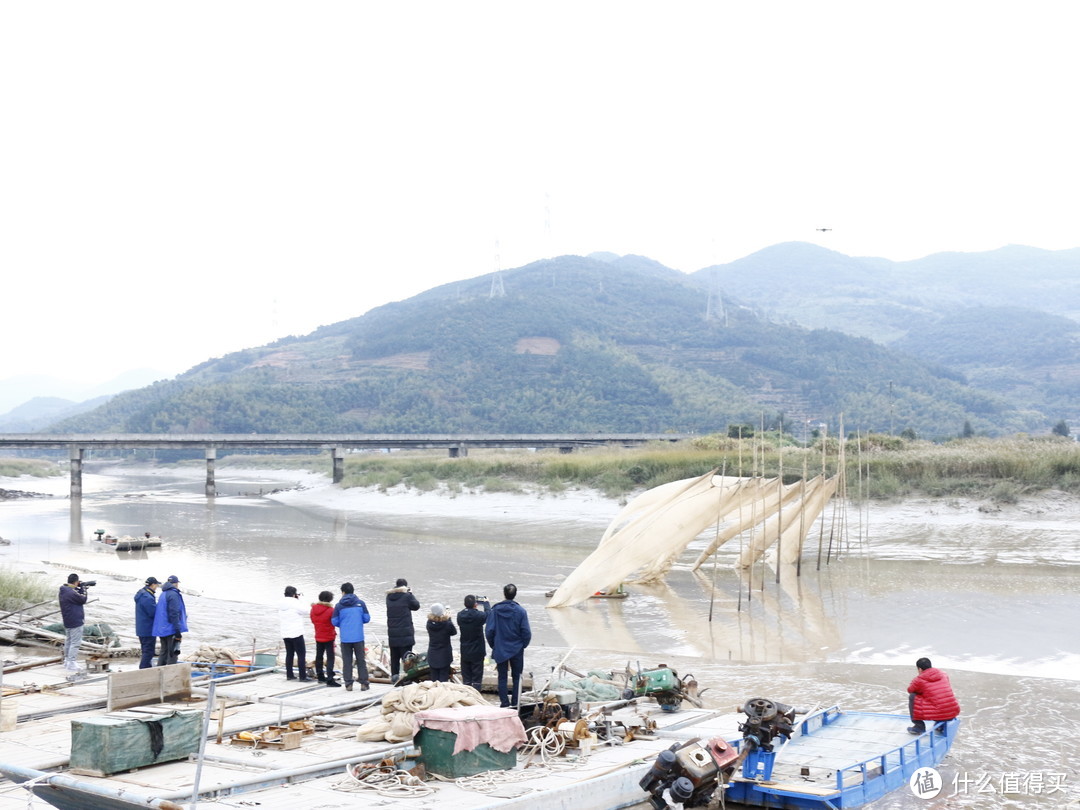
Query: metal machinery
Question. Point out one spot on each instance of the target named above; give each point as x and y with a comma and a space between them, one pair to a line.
690, 773
663, 685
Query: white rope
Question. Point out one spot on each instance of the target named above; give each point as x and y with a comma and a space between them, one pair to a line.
386, 780
545, 741
490, 781
29, 785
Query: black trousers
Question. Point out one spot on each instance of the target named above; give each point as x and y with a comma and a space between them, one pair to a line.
170, 651
295, 648
441, 674
147, 644
515, 664
324, 649
349, 651
472, 673
396, 654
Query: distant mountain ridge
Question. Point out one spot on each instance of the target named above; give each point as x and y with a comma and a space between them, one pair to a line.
611, 343
884, 300
31, 402
1007, 319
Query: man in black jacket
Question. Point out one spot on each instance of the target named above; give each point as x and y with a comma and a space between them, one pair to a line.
471, 623
72, 597
400, 637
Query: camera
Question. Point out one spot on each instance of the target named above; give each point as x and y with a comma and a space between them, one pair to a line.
89, 584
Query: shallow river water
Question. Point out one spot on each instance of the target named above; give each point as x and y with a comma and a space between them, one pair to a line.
1005, 628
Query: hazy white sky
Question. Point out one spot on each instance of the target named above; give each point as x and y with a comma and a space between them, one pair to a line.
181, 180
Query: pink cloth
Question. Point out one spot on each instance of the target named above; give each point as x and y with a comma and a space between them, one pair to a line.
475, 725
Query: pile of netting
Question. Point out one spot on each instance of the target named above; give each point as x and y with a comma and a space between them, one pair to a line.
209, 654
399, 705
591, 689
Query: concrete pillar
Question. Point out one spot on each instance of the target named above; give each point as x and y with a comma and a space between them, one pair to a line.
338, 455
461, 451
211, 486
76, 456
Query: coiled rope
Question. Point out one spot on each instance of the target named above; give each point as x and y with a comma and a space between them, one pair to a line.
386, 780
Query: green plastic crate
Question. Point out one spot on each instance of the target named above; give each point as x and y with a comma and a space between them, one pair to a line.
437, 754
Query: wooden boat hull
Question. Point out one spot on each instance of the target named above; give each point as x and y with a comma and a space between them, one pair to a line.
599, 595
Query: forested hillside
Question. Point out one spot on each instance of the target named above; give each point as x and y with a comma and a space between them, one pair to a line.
1008, 320
570, 344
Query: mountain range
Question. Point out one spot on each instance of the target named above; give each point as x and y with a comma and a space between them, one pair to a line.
794, 334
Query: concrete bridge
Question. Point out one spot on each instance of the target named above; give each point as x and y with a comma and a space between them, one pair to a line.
210, 443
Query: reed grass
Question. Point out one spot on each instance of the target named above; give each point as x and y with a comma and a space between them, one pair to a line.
19, 590
884, 466
38, 468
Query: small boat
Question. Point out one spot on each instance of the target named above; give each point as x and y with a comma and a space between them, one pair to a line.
616, 594
831, 760
127, 542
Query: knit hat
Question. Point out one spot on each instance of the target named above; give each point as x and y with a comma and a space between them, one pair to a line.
437, 609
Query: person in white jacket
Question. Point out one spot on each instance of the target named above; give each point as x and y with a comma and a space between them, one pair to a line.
293, 615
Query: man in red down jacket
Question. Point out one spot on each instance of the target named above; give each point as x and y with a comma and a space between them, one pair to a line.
930, 697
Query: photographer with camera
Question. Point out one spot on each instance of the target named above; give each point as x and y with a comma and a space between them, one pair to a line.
72, 598
400, 636
471, 621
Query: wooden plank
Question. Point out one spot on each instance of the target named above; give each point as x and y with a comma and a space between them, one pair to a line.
154, 685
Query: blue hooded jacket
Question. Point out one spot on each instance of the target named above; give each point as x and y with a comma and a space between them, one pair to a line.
350, 616
145, 610
170, 617
507, 630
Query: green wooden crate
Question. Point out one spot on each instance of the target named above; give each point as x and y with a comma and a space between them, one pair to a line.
125, 740
437, 754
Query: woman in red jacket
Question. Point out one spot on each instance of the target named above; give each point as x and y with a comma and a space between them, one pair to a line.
325, 635
930, 697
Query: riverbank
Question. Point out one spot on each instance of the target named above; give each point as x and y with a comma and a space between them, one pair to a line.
1043, 528
967, 568
987, 591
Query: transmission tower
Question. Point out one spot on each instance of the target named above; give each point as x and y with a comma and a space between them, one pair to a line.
497, 289
714, 307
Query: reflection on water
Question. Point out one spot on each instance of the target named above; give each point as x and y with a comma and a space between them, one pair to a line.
800, 640
239, 545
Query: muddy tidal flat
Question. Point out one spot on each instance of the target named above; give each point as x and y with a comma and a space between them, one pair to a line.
991, 595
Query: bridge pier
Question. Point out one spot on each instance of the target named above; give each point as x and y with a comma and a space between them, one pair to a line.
211, 485
76, 456
461, 451
338, 456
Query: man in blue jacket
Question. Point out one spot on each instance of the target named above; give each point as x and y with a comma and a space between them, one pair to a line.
350, 616
508, 633
145, 609
170, 621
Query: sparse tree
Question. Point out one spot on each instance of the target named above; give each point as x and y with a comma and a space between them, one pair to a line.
1061, 429
968, 430
909, 434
